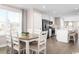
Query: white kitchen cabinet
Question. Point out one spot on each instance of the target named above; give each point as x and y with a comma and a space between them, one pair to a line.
46, 17
52, 19
62, 35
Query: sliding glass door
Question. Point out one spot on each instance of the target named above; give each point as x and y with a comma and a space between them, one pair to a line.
3, 26
15, 21
3, 20
10, 23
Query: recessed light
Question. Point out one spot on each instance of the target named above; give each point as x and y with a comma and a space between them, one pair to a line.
76, 8
44, 6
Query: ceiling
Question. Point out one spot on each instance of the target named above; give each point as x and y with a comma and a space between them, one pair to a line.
52, 9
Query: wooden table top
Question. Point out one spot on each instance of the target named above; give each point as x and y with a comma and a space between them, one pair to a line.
29, 37
72, 33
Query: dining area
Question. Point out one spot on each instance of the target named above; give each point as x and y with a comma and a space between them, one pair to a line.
27, 43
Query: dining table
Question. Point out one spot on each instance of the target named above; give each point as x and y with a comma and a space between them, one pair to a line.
27, 39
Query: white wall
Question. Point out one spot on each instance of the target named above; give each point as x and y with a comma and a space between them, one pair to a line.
34, 20
71, 18
37, 22
30, 21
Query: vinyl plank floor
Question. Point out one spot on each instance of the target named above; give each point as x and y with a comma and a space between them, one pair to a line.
55, 47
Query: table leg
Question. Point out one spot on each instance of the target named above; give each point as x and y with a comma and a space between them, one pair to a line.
27, 47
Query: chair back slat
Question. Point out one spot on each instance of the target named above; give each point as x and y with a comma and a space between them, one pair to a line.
43, 36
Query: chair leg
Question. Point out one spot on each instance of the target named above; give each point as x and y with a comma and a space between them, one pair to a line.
45, 51
13, 51
23, 51
8, 50
31, 51
18, 52
37, 52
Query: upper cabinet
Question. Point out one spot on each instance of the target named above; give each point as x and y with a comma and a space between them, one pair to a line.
52, 19
46, 17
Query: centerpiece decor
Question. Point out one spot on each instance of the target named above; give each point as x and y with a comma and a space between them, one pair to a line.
25, 33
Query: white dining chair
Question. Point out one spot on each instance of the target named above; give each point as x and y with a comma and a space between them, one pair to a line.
14, 44
39, 46
9, 44
17, 44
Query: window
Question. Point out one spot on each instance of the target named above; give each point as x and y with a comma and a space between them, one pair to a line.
15, 22
2, 21
10, 20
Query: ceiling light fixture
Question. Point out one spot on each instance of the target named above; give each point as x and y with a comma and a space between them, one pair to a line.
44, 6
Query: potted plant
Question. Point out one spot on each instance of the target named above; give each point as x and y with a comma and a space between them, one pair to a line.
25, 33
